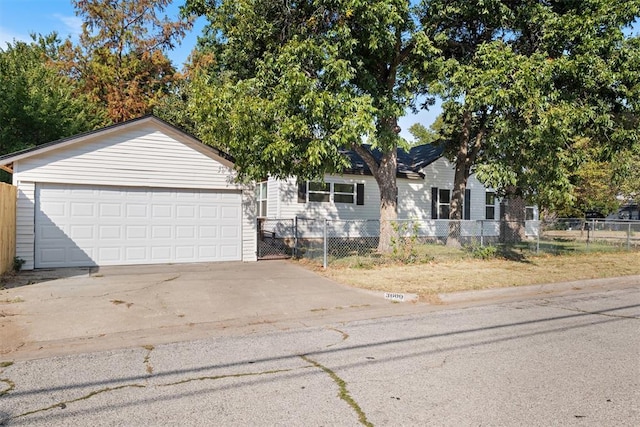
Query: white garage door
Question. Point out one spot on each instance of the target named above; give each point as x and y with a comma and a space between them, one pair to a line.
92, 225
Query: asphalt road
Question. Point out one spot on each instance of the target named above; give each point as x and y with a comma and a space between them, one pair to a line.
562, 360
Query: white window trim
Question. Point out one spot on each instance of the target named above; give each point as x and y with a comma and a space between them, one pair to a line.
495, 198
441, 204
332, 192
262, 196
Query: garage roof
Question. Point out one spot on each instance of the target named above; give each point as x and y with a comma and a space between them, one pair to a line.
175, 132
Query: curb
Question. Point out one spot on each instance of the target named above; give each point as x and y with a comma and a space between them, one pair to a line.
537, 290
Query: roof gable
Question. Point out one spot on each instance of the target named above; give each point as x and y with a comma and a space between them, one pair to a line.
88, 137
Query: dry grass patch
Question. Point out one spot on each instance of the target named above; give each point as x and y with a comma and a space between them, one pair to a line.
460, 274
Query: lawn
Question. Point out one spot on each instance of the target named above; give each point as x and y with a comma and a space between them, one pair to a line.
439, 269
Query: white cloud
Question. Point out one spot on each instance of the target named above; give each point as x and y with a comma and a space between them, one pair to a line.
73, 24
8, 36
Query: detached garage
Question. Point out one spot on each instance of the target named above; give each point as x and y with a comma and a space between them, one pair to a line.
140, 192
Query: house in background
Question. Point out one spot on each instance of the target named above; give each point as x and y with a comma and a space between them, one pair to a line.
139, 192
425, 185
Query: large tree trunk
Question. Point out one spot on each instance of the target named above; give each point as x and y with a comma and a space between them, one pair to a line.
386, 179
461, 175
384, 173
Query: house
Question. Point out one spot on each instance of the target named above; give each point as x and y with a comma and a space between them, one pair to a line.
138, 192
425, 185
145, 192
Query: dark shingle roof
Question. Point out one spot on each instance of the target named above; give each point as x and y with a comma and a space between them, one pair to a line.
410, 163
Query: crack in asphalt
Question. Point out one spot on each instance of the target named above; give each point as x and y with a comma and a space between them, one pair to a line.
10, 386
63, 404
106, 294
146, 361
219, 377
343, 393
345, 336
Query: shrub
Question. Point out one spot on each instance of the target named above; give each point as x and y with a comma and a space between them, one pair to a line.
18, 263
484, 252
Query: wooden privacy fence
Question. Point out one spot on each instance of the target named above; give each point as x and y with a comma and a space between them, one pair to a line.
7, 226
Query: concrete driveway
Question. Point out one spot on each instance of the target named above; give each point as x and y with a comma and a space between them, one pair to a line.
116, 307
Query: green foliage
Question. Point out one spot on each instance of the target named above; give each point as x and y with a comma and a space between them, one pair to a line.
287, 87
523, 83
17, 263
173, 107
483, 252
404, 241
37, 103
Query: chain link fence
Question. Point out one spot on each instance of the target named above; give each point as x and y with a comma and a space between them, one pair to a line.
591, 234
327, 240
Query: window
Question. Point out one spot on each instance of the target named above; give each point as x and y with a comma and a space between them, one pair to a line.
262, 199
343, 193
319, 192
444, 198
331, 192
490, 202
529, 213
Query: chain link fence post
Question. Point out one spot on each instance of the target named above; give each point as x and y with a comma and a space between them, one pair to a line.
295, 236
325, 250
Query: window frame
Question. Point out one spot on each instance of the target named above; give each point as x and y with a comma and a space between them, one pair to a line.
328, 192
490, 207
444, 205
351, 194
531, 209
262, 199
324, 189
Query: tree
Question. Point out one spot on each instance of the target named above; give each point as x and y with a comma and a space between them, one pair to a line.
120, 60
38, 103
523, 82
290, 85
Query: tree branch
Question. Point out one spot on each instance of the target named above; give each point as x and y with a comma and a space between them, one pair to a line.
367, 157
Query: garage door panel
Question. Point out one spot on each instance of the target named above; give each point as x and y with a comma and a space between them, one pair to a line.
162, 211
110, 254
81, 225
134, 253
207, 232
136, 210
109, 232
136, 232
229, 232
161, 254
81, 232
113, 210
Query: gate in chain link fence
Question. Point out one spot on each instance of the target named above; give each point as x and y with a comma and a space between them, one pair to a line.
276, 238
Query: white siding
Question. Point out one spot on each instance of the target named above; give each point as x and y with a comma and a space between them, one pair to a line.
25, 227
136, 157
414, 196
273, 198
290, 208
440, 174
249, 226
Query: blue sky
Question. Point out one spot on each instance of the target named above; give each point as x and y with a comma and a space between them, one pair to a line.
19, 18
